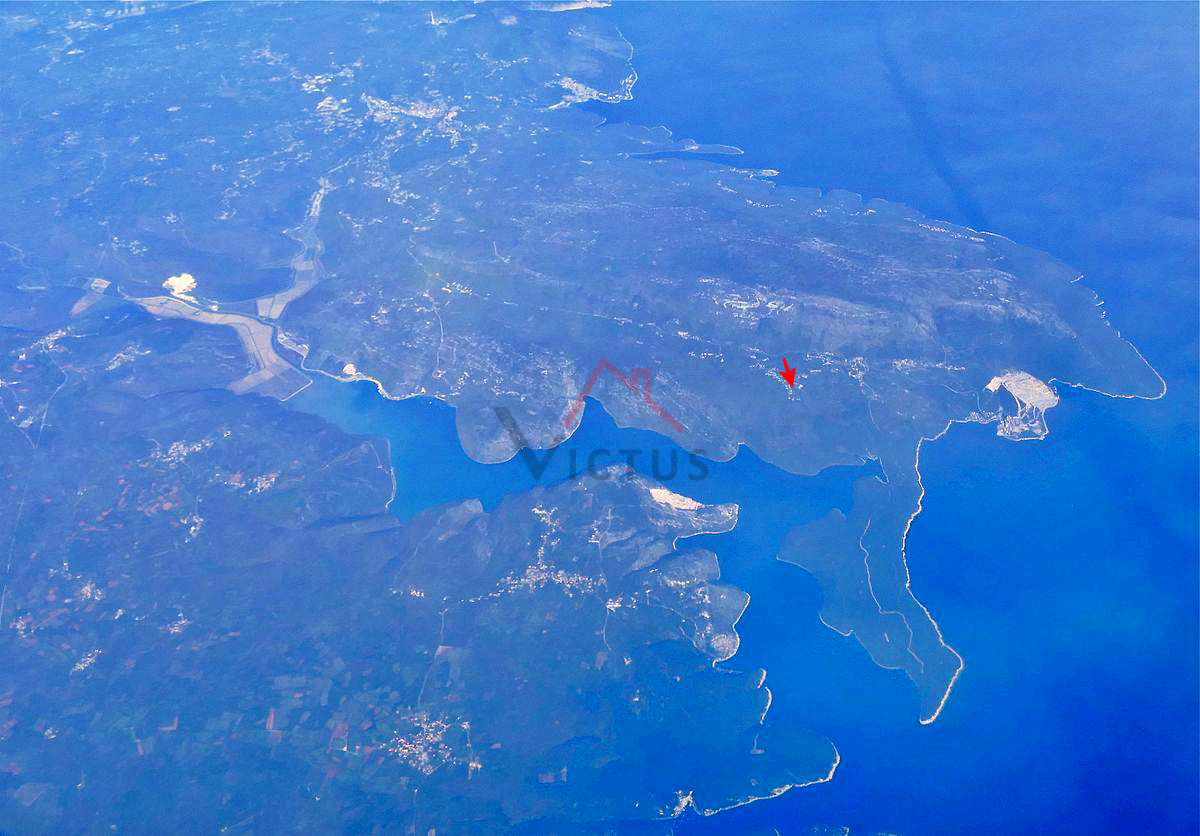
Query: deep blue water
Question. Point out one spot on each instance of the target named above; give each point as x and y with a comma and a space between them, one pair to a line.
1065, 572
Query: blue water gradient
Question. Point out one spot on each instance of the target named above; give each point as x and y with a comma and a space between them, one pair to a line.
1064, 571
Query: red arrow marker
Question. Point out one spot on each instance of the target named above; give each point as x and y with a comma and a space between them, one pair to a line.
788, 374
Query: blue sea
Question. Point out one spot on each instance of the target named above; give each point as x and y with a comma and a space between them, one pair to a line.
1065, 571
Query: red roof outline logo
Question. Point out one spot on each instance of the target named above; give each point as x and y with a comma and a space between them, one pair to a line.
635, 377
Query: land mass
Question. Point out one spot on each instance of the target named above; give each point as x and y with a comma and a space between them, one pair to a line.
446, 221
